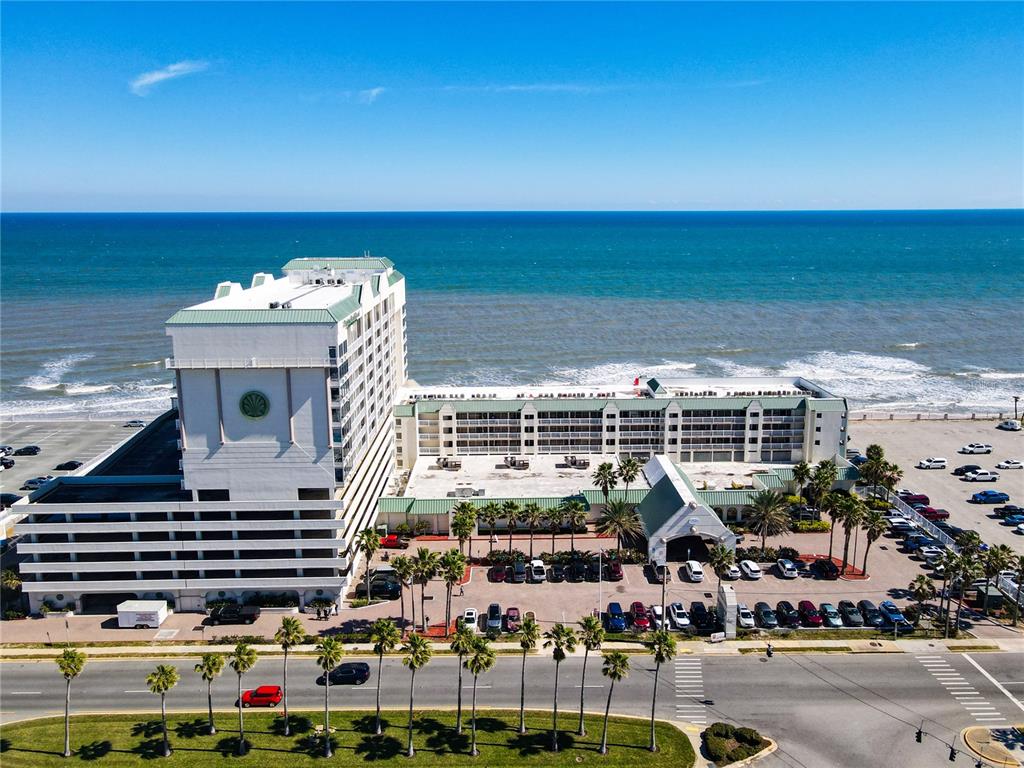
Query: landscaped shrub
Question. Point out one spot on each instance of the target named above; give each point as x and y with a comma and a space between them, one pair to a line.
794, 500
421, 528
273, 601
220, 602
716, 747
725, 743
812, 526
12, 614
788, 553
404, 530
504, 557
879, 504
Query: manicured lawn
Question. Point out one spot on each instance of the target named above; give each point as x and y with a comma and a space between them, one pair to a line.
134, 740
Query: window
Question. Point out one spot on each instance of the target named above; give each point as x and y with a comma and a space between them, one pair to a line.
609, 442
527, 415
212, 494
528, 442
447, 417
752, 440
817, 415
817, 442
528, 429
610, 428
817, 429
754, 415
672, 441
310, 494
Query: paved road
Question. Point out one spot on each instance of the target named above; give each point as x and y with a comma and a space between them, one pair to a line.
824, 710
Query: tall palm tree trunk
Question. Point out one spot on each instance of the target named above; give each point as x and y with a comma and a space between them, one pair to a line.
284, 695
423, 605
831, 533
604, 730
163, 721
959, 607
572, 536
552, 541
327, 712
654, 701
867, 548
458, 701
554, 713
410, 752
412, 604
209, 705
581, 730
474, 751
380, 668
522, 696
531, 542
67, 719
846, 549
241, 724
855, 540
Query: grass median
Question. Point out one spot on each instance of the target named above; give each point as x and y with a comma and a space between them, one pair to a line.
134, 740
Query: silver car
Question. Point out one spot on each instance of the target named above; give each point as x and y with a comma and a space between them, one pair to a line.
744, 617
678, 617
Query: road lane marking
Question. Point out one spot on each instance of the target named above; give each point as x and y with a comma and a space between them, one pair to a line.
146, 691
994, 682
25, 693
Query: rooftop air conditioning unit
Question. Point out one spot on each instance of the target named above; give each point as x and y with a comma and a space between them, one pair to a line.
274, 304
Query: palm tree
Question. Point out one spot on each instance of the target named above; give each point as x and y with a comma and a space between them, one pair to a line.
629, 470
823, 477
489, 513
368, 542
874, 452
160, 681
875, 525
620, 519
533, 516
328, 655
663, 648
851, 513
873, 470
947, 564
801, 474
967, 568
922, 589
425, 565
209, 668
290, 634
463, 523
553, 516
10, 580
720, 558
769, 515
606, 478
562, 641
510, 511
970, 543
404, 570
480, 660
70, 663
829, 504
591, 635
615, 668
891, 477
996, 559
461, 644
452, 567
417, 655
385, 637
575, 514
243, 658
529, 634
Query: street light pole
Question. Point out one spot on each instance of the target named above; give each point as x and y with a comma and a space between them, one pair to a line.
1016, 399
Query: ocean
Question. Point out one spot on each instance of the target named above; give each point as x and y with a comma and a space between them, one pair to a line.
898, 311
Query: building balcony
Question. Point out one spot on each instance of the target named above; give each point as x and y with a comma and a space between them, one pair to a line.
130, 566
130, 584
178, 363
27, 529
208, 545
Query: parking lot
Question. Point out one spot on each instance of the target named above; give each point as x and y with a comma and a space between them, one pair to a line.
906, 443
60, 441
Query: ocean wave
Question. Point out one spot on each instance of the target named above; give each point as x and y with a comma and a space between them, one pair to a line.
85, 389
616, 373
146, 365
53, 371
983, 373
906, 345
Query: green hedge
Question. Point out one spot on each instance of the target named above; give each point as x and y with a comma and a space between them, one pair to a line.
727, 743
812, 526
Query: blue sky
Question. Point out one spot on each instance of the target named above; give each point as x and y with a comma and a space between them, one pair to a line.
494, 107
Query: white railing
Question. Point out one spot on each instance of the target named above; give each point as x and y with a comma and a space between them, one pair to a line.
174, 363
886, 416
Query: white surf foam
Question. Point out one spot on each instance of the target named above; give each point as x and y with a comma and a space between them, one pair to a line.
85, 389
614, 373
53, 371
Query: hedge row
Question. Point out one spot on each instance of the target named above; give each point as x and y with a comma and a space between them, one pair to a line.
727, 743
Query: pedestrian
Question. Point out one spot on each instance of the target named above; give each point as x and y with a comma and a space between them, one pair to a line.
770, 651
462, 591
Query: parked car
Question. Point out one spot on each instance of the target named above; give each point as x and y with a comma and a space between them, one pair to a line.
981, 476
6, 450
990, 497
858, 460
929, 551
902, 527
916, 542
830, 616
657, 620
638, 616
1010, 425
348, 673
577, 571
614, 570
36, 483
1010, 464
750, 569
513, 621
519, 572
537, 571
872, 616
976, 448
494, 617
786, 569
892, 614
964, 469
809, 615
594, 569
851, 616
264, 696
384, 585
678, 617
701, 618
471, 618
6, 462
660, 574
614, 618
825, 569
931, 463
234, 614
1013, 519
787, 615
744, 617
497, 573
928, 513
693, 570
557, 573
28, 450
732, 572
394, 541
7, 499
1008, 509
68, 466
915, 498
765, 616
135, 423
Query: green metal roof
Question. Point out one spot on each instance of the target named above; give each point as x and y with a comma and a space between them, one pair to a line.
374, 262
659, 505
770, 480
331, 315
394, 276
655, 386
848, 473
404, 409
412, 506
727, 498
375, 284
826, 405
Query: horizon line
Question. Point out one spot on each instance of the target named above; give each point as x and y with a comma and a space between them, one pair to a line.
502, 211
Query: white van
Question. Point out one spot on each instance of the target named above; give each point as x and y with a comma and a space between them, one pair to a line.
693, 571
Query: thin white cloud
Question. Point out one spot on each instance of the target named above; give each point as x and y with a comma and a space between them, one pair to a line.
141, 85
370, 95
529, 88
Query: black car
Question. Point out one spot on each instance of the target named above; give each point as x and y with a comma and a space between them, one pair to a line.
519, 572
765, 616
594, 569
1008, 509
349, 673
787, 615
6, 462
825, 569
872, 616
234, 614
960, 471
387, 587
28, 450
7, 499
69, 465
557, 573
851, 616
700, 618
577, 571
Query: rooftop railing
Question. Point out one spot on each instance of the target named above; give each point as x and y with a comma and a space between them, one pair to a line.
177, 363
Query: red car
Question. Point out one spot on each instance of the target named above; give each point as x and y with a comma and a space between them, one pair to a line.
614, 571
915, 498
810, 615
264, 696
512, 620
498, 573
392, 541
638, 615
928, 513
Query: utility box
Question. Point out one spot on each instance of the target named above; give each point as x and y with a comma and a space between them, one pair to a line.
139, 614
726, 609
